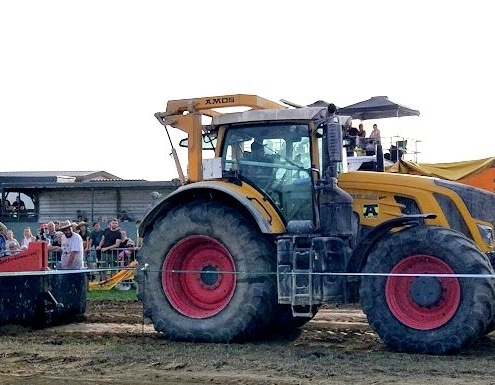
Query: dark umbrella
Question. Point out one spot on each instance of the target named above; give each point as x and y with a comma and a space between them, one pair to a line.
377, 107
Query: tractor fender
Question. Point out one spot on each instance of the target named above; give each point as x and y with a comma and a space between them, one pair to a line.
241, 196
365, 245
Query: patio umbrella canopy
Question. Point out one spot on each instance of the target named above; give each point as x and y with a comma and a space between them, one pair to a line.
377, 107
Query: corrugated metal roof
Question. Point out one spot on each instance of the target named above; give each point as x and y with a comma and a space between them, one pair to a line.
24, 184
79, 175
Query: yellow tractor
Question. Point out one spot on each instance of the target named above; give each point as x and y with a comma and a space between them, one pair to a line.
267, 228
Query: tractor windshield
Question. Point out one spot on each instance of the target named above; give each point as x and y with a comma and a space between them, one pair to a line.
276, 159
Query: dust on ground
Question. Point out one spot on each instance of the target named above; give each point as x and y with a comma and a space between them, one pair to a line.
112, 343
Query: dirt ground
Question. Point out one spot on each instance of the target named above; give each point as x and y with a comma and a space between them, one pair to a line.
113, 344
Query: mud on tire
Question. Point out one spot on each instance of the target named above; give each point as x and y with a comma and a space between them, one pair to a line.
200, 302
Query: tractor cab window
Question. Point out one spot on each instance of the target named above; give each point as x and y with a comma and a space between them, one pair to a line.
275, 159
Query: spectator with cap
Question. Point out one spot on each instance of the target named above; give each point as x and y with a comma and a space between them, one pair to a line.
72, 247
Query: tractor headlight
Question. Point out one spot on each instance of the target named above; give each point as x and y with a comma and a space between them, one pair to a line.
487, 234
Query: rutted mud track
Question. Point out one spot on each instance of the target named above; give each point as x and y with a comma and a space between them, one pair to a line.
112, 344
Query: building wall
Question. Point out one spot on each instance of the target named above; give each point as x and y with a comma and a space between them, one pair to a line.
95, 204
64, 204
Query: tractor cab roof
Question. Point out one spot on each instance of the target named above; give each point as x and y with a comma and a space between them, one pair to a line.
288, 114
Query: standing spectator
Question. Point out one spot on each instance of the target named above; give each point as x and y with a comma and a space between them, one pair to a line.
3, 229
42, 231
55, 248
94, 240
72, 247
124, 217
352, 135
57, 241
11, 245
361, 139
79, 216
375, 134
82, 228
53, 243
28, 238
75, 227
111, 236
110, 242
361, 131
50, 233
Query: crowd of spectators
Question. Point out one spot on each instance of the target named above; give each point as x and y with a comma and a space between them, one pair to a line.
100, 247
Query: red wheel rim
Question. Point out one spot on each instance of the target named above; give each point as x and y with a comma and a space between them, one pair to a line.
198, 276
401, 299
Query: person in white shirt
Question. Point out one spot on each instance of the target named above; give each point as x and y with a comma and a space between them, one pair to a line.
28, 238
72, 247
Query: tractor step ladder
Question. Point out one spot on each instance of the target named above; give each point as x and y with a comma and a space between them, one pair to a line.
302, 285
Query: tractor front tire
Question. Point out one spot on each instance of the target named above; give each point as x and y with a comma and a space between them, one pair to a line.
413, 310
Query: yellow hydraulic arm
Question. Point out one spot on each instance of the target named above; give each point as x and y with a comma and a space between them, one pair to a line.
185, 114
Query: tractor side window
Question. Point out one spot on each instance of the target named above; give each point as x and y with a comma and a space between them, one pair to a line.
275, 159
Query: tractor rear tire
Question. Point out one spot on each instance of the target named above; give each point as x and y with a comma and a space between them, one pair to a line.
209, 275
422, 314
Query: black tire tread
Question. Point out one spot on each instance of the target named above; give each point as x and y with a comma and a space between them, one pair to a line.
248, 314
475, 313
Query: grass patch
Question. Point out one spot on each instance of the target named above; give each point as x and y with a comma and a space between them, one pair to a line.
112, 295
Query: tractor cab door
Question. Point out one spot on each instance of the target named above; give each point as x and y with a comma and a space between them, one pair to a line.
274, 158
